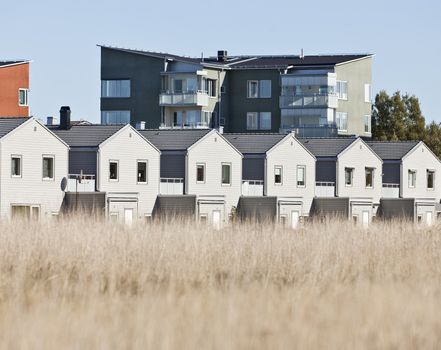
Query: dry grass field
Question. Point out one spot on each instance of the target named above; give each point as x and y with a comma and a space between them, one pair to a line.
81, 284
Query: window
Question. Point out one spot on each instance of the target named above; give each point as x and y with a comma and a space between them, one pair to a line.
430, 179
265, 89
341, 119
115, 88
367, 93
178, 85
253, 88
113, 170
200, 173
252, 121
278, 175
115, 117
142, 172
301, 181
342, 90
265, 120
16, 166
48, 167
211, 87
23, 97
367, 124
369, 177
226, 174
259, 121
349, 175
411, 178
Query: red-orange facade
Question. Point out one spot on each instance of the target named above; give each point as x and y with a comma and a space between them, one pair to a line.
14, 88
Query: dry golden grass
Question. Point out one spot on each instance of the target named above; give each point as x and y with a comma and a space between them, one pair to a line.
81, 284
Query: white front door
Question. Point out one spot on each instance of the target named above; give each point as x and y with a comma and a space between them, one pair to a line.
429, 218
128, 216
365, 219
216, 218
294, 219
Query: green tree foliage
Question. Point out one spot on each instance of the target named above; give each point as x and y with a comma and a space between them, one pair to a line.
432, 138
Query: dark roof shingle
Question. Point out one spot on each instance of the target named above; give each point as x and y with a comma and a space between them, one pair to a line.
9, 124
327, 147
254, 143
392, 150
11, 62
86, 135
173, 140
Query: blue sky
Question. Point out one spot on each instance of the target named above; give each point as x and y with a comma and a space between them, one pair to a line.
61, 36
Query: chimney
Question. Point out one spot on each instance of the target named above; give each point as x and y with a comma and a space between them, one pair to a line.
140, 125
302, 56
50, 120
65, 118
222, 55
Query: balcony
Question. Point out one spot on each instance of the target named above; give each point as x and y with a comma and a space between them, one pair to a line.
309, 101
390, 190
252, 188
198, 125
80, 183
324, 189
326, 130
171, 186
190, 98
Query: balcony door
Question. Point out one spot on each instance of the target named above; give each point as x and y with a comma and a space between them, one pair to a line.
177, 118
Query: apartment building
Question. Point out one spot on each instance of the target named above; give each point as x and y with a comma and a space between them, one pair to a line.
313, 95
14, 88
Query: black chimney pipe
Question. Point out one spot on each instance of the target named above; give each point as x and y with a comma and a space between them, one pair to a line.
65, 117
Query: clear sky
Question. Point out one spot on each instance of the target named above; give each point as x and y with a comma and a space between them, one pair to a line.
61, 36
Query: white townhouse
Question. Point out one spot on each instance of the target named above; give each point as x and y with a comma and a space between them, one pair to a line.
278, 176
33, 169
347, 169
410, 171
200, 173
116, 162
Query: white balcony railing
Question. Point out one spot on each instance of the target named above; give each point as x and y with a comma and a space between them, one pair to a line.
170, 185
198, 98
324, 189
315, 100
198, 125
390, 190
80, 183
252, 188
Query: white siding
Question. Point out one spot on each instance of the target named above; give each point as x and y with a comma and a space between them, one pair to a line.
213, 150
127, 147
289, 154
420, 159
32, 140
359, 156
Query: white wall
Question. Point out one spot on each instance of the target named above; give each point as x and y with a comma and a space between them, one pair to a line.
127, 147
31, 141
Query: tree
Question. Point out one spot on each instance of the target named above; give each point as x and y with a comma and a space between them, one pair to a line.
432, 138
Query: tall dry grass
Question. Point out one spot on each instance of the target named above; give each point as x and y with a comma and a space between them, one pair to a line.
85, 284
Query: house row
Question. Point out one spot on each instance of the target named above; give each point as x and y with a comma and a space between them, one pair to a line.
135, 173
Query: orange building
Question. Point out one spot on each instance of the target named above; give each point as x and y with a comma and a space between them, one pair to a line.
14, 88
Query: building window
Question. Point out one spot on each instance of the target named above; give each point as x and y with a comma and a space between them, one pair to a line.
226, 174
278, 175
411, 178
211, 87
301, 178
142, 172
349, 176
115, 117
200, 173
367, 124
23, 97
367, 93
48, 167
113, 170
253, 88
430, 179
259, 121
342, 90
265, 120
369, 177
252, 121
265, 88
115, 88
341, 119
16, 166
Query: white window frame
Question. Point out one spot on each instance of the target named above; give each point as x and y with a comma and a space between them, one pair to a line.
26, 97
281, 175
231, 172
366, 169
20, 157
367, 118
368, 93
304, 175
352, 177
106, 88
430, 171
260, 95
48, 156
146, 162
414, 179
117, 170
249, 82
254, 115
204, 173
342, 95
259, 119
338, 117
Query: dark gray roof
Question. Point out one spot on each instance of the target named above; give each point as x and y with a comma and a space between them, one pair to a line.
86, 135
392, 150
327, 147
9, 62
254, 143
173, 140
9, 124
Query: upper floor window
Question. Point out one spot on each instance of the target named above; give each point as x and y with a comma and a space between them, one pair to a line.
142, 171
226, 174
252, 121
259, 89
48, 167
16, 166
342, 89
369, 177
341, 119
367, 93
367, 124
115, 117
411, 178
211, 87
200, 173
430, 179
259, 121
253, 88
349, 176
23, 97
278, 175
115, 88
113, 170
301, 178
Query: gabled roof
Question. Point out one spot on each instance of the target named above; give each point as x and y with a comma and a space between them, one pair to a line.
86, 135
173, 140
9, 124
392, 150
327, 147
7, 63
258, 143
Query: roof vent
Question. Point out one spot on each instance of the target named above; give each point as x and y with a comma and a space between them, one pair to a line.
140, 125
65, 118
222, 55
50, 120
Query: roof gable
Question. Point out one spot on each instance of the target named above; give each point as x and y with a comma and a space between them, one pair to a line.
173, 139
9, 124
392, 150
86, 135
258, 143
219, 135
327, 147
